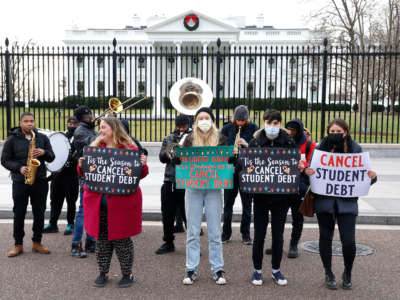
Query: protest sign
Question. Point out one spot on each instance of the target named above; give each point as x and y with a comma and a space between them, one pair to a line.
204, 168
269, 170
111, 171
340, 174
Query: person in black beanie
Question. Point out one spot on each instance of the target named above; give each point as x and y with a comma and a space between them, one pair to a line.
172, 199
241, 119
64, 185
83, 136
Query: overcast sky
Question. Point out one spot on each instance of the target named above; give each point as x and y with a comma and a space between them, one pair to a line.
45, 21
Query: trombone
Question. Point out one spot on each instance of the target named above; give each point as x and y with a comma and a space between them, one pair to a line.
115, 106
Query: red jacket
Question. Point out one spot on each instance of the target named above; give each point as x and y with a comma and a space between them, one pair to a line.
124, 212
303, 148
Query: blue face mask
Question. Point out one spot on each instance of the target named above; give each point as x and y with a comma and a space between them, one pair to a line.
271, 130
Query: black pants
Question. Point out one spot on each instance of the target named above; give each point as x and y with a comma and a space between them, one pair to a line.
297, 219
105, 248
278, 209
229, 201
61, 187
171, 200
37, 193
347, 230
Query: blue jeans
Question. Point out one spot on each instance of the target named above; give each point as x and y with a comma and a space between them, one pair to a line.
211, 200
78, 228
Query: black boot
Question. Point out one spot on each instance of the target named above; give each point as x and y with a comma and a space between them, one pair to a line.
178, 228
166, 248
90, 246
330, 280
293, 252
346, 285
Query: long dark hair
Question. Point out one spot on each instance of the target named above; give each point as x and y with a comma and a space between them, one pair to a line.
346, 141
341, 123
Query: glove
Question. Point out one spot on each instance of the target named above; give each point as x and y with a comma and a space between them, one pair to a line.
176, 161
232, 159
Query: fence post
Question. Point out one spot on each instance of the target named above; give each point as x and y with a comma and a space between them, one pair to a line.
9, 91
324, 84
114, 69
218, 83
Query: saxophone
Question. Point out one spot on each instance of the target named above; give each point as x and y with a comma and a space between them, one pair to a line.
32, 163
236, 145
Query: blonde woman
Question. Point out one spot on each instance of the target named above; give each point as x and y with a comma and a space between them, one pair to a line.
204, 133
113, 219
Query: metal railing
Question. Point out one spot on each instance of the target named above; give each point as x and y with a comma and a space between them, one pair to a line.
315, 84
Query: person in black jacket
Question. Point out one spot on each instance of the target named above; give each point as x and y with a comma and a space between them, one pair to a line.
172, 199
14, 158
271, 136
240, 119
83, 136
344, 210
64, 185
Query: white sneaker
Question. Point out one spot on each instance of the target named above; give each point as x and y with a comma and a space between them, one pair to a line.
256, 279
279, 278
189, 278
219, 277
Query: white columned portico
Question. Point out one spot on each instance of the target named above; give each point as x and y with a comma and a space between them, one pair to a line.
178, 46
205, 65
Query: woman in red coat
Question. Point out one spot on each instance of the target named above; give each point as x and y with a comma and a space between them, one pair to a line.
113, 219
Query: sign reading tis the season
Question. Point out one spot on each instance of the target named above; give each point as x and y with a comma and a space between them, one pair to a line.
269, 170
111, 171
340, 174
204, 168
191, 22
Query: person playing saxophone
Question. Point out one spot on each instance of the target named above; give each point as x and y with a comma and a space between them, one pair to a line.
25, 186
239, 132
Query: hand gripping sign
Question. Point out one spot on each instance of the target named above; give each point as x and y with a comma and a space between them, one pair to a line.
340, 174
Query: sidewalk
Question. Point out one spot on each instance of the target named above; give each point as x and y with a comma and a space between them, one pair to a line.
60, 276
381, 206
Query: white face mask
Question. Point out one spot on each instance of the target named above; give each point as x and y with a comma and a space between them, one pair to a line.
204, 125
272, 131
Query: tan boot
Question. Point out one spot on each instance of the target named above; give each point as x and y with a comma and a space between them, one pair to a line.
17, 250
37, 247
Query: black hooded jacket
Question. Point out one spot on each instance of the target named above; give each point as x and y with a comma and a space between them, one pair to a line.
300, 137
15, 154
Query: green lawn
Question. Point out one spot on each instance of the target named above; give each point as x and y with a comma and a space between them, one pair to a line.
383, 126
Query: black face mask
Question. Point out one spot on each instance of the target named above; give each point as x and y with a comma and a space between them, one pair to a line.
71, 130
336, 138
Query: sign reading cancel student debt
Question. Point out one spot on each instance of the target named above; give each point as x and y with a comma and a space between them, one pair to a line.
269, 170
340, 174
204, 168
111, 171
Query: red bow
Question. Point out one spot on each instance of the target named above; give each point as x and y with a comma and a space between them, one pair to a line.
193, 17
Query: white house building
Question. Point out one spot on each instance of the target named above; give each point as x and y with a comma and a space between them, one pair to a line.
253, 61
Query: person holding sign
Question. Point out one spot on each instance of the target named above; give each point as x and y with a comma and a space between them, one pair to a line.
332, 208
270, 136
204, 133
240, 124
113, 218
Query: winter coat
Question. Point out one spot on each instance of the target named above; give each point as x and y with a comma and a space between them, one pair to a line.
124, 212
15, 154
169, 174
326, 204
83, 136
230, 131
283, 140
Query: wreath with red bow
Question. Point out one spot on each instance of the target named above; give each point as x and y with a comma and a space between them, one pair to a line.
271, 87
191, 22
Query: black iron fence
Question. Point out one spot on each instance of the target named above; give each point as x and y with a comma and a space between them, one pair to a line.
315, 84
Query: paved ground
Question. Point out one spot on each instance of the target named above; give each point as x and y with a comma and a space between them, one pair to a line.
381, 206
59, 276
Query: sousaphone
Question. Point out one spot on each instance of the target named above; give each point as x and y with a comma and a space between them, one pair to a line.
189, 94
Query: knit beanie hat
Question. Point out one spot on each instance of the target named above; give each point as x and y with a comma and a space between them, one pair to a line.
207, 110
241, 113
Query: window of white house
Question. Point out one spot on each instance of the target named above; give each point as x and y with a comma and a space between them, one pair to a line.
271, 89
81, 88
171, 62
292, 89
271, 61
293, 62
80, 60
250, 89
100, 88
100, 61
141, 62
121, 62
141, 86
251, 61
121, 88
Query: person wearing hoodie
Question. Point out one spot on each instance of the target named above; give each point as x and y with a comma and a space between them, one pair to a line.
270, 136
64, 185
14, 158
241, 119
330, 209
297, 132
83, 136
